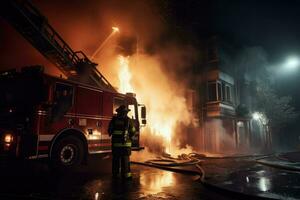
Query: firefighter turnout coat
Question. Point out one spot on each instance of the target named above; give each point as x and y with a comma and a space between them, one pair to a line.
121, 129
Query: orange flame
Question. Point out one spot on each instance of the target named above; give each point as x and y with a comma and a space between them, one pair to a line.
165, 108
124, 75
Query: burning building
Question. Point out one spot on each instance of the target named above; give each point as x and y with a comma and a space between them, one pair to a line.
221, 104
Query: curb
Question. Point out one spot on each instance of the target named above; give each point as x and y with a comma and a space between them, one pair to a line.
284, 167
240, 156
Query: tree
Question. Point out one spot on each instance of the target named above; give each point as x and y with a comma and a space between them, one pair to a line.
251, 69
251, 63
277, 110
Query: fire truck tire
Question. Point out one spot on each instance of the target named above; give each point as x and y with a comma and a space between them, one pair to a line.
67, 153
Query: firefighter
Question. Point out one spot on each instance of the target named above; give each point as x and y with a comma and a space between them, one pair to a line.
121, 129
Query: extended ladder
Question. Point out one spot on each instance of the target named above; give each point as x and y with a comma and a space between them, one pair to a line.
34, 27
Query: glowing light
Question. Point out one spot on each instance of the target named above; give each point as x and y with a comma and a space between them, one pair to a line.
100, 48
165, 109
256, 116
261, 117
115, 29
239, 123
96, 195
156, 182
8, 138
93, 134
124, 76
159, 125
292, 63
264, 184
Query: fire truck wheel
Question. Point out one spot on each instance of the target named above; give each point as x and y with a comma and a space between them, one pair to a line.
67, 153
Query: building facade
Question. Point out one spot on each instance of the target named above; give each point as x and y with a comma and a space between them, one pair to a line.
216, 105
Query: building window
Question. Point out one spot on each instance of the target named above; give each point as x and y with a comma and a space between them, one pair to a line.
212, 92
223, 90
220, 95
228, 93
219, 91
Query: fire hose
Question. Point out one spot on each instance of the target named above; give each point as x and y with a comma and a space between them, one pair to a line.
167, 162
170, 163
193, 159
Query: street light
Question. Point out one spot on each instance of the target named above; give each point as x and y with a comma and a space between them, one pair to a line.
292, 63
256, 116
263, 120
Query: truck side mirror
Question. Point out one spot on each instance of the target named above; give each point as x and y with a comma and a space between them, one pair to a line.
143, 112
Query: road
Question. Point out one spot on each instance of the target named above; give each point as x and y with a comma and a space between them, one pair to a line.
33, 180
248, 177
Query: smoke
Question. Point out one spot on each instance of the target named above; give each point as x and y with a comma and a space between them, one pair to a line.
142, 156
164, 97
160, 72
218, 137
250, 63
160, 67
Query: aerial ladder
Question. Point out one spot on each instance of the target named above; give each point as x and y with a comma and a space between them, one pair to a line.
34, 27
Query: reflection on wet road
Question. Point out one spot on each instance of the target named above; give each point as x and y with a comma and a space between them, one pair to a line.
248, 177
155, 182
149, 183
35, 180
264, 184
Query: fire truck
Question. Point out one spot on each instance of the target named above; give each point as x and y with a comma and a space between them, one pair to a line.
63, 119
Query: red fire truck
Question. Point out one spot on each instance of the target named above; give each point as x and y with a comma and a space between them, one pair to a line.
64, 119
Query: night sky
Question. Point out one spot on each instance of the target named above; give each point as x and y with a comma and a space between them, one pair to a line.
270, 24
273, 25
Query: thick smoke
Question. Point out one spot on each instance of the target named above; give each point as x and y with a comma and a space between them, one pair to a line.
160, 74
158, 87
160, 67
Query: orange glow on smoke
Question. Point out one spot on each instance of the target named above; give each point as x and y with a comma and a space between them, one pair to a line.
164, 108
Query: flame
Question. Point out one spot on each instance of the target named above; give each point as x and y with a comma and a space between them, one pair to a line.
165, 108
124, 75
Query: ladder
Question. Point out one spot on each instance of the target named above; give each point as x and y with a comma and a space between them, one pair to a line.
34, 27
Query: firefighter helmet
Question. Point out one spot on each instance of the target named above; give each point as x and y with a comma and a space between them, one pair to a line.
122, 109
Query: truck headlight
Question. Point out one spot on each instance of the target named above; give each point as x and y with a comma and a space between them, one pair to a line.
8, 138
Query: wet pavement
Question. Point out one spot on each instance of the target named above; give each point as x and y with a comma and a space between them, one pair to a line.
251, 178
33, 180
287, 160
290, 156
278, 162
